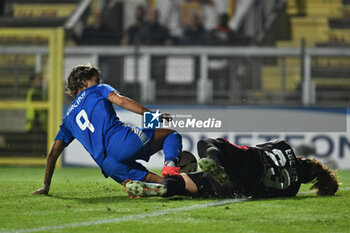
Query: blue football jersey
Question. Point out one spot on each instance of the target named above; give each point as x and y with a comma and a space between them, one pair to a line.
90, 119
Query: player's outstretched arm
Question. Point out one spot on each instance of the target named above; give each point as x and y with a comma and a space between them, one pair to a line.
127, 103
132, 105
57, 148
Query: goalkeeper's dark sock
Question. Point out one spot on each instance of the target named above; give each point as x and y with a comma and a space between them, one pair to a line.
176, 186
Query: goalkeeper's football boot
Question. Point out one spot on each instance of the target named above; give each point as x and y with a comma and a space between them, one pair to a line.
143, 189
217, 172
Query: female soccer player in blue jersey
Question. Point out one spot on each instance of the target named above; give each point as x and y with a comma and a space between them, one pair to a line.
115, 147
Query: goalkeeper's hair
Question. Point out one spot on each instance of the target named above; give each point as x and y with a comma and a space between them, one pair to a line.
324, 180
79, 73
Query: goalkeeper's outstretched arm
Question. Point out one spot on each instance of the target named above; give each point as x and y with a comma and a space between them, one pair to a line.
56, 150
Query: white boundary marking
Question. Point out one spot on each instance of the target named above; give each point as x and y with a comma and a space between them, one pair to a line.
138, 216
129, 217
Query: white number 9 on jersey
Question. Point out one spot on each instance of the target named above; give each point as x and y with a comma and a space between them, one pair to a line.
86, 124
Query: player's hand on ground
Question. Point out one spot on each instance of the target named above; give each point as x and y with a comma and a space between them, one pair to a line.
40, 191
166, 116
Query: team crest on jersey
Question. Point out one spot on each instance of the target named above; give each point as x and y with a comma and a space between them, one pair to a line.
151, 120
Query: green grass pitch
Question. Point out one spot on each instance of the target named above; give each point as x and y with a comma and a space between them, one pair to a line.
82, 200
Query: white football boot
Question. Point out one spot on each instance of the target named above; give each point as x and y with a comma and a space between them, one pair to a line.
143, 189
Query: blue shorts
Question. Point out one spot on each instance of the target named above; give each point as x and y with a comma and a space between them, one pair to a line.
123, 149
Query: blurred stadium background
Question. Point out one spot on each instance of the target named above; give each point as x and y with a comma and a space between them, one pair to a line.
181, 54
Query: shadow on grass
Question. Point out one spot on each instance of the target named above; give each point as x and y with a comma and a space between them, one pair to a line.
108, 199
122, 198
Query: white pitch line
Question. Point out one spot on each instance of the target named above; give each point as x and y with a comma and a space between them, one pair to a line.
138, 216
128, 217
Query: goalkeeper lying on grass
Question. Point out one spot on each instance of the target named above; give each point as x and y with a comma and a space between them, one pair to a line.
267, 170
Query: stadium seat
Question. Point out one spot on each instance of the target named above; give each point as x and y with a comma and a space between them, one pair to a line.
14, 76
319, 23
35, 13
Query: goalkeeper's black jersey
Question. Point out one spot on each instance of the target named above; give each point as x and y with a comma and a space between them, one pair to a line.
267, 170
280, 176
